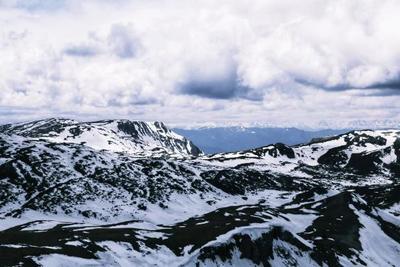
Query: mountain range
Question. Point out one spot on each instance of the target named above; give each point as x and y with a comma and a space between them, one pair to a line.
235, 138
131, 193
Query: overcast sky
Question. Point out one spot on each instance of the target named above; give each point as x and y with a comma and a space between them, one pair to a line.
313, 63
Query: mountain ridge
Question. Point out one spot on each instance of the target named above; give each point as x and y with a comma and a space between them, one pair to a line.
334, 201
115, 135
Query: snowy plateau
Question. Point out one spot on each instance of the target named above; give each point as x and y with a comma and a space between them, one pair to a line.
131, 193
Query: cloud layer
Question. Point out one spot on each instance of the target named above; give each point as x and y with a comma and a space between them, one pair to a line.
185, 61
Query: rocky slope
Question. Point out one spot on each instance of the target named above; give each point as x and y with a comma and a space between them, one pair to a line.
66, 199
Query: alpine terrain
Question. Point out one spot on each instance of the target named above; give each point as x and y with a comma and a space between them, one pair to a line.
227, 139
131, 193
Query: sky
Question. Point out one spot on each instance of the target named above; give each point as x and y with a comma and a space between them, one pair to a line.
309, 63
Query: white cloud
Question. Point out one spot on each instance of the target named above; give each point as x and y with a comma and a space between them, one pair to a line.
181, 61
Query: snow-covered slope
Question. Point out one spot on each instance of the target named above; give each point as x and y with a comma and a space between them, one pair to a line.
65, 199
134, 137
363, 151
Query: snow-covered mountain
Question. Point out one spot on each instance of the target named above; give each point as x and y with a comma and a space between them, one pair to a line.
65, 199
364, 151
134, 137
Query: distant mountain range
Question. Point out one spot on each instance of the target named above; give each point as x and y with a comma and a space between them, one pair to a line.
229, 139
129, 193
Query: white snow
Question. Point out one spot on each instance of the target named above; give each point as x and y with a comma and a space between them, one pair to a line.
57, 260
378, 248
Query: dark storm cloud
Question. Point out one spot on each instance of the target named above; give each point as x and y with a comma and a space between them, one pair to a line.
393, 84
225, 87
385, 87
219, 89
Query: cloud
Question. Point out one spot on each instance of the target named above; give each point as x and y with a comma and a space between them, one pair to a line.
34, 5
390, 84
151, 57
80, 51
220, 89
123, 41
225, 85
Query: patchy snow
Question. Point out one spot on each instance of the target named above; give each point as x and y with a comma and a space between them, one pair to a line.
236, 261
292, 256
74, 243
110, 205
41, 225
182, 207
390, 157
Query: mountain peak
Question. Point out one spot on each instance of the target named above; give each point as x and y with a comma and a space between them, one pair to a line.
134, 137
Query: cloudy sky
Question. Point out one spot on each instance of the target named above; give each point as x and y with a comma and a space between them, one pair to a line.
313, 63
